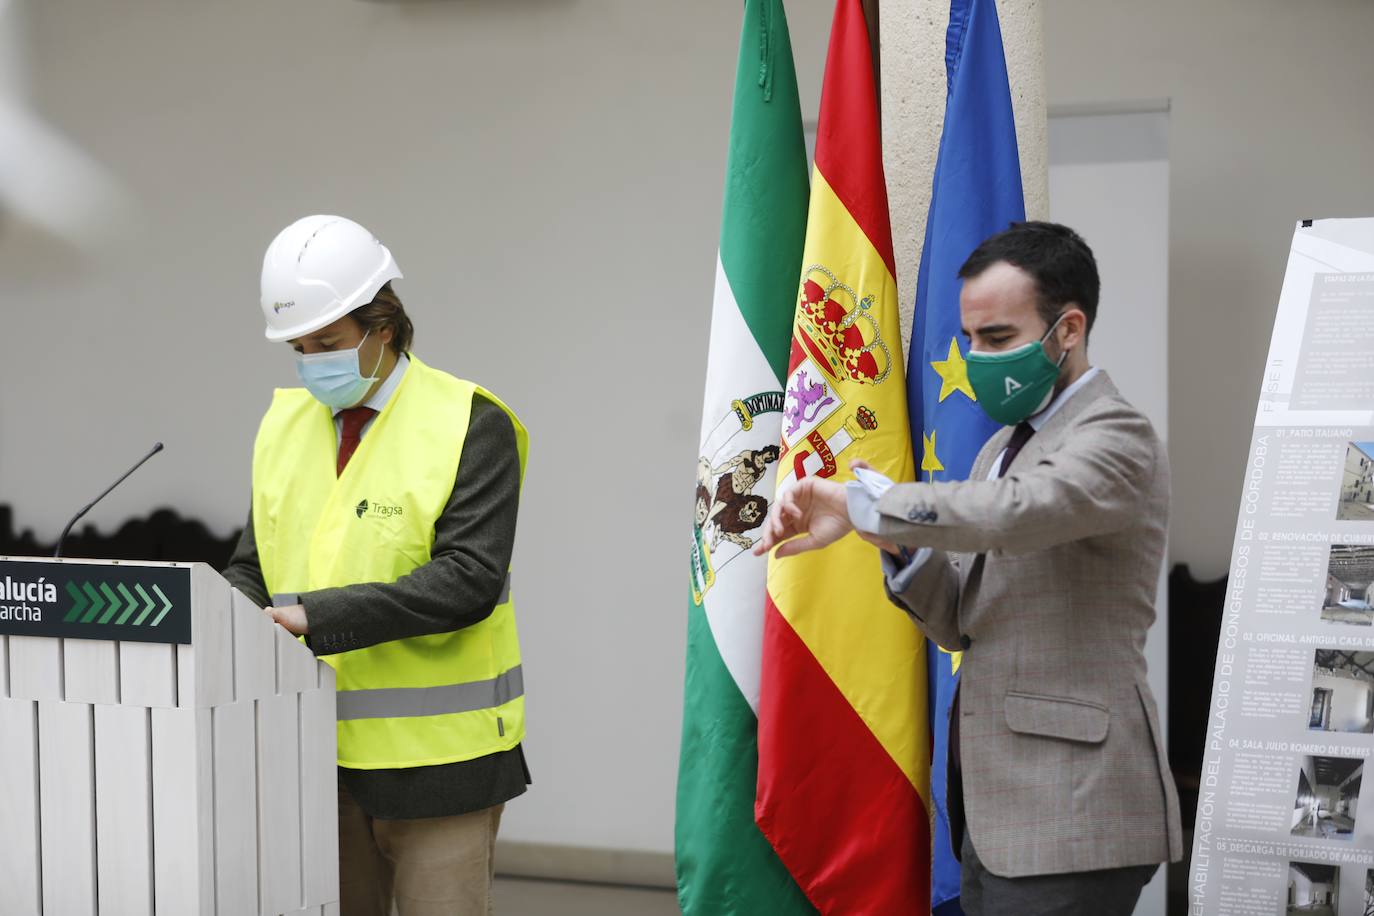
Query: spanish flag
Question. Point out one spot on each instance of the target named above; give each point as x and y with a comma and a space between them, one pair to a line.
844, 746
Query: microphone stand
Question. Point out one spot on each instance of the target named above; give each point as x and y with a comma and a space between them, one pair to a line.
57, 554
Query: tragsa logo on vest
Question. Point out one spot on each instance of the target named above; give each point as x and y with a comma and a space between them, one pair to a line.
377, 509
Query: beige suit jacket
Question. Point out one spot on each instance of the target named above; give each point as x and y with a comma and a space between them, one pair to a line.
1046, 579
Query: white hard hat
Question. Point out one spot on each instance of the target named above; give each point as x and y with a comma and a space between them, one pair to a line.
317, 270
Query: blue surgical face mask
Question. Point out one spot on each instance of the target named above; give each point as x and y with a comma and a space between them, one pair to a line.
334, 377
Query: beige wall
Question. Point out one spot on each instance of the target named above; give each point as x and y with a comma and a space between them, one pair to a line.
1270, 123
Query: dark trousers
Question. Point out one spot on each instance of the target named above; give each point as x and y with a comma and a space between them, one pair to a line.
1109, 892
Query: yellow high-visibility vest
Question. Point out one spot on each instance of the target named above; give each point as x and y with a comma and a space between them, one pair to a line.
411, 702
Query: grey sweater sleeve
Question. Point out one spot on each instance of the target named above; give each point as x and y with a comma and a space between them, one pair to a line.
466, 574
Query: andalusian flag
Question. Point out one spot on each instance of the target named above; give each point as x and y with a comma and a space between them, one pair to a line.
724, 864
977, 193
844, 750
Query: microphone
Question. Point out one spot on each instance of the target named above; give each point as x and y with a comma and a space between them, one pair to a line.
157, 447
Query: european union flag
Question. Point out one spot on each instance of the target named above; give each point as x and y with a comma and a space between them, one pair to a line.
977, 193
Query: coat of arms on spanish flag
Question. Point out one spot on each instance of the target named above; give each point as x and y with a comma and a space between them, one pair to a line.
844, 752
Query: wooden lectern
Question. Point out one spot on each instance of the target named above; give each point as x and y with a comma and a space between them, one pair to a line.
165, 748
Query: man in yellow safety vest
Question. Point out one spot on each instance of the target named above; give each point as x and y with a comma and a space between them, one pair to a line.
385, 496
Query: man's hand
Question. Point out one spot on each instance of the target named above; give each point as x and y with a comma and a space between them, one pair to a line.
292, 617
813, 511
873, 539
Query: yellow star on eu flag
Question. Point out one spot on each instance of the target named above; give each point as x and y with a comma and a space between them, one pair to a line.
954, 659
953, 373
929, 461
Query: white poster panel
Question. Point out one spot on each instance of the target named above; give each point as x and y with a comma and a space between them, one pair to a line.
1281, 825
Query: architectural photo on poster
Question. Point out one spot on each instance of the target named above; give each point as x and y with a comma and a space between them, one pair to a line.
1328, 792
1349, 576
1357, 483
1313, 890
1342, 691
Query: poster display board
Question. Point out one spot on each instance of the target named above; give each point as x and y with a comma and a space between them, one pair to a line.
1285, 823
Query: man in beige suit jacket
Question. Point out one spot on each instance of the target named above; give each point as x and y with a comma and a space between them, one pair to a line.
1042, 569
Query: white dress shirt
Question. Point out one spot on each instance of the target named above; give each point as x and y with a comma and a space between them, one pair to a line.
863, 492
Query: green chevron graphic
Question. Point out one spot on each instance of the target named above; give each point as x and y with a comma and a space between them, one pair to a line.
96, 602
138, 621
129, 602
78, 603
133, 605
114, 603
89, 600
166, 606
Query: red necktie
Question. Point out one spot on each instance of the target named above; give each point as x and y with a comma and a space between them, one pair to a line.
354, 418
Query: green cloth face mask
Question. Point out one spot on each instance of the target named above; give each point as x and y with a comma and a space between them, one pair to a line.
1014, 384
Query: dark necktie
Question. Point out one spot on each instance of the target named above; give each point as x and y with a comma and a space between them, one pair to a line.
354, 418
1019, 436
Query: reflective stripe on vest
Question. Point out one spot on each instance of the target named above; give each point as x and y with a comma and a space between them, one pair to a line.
419, 701
402, 702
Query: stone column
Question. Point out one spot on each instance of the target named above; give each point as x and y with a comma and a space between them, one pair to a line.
912, 54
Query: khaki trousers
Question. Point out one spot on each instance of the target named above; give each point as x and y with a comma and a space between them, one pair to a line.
433, 866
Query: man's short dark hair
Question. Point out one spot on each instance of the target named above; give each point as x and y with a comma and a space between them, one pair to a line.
1056, 257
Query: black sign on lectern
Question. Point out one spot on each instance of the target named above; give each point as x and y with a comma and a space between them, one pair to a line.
96, 601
